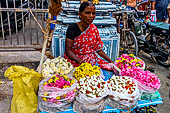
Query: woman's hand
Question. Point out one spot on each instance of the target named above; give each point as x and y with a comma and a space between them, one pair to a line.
81, 61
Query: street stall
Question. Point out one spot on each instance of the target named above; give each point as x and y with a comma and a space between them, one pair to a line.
121, 86
131, 90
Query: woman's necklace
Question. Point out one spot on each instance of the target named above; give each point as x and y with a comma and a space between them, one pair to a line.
82, 28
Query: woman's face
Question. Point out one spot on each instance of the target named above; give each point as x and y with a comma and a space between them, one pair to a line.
88, 15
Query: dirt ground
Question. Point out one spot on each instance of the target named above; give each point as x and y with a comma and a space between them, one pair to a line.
165, 82
6, 88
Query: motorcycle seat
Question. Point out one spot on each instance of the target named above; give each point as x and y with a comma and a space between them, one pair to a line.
160, 25
159, 28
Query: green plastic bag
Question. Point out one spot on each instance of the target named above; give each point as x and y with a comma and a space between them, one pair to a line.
25, 88
150, 96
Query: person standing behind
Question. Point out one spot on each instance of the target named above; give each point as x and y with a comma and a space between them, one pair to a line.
159, 11
131, 3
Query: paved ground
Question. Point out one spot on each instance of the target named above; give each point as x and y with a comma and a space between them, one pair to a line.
6, 89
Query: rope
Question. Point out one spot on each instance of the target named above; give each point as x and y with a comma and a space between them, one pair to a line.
54, 10
47, 27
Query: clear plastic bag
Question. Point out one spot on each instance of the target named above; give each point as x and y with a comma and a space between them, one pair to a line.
51, 93
83, 99
145, 88
89, 108
125, 101
43, 107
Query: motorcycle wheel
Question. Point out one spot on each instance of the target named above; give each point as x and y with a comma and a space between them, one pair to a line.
161, 61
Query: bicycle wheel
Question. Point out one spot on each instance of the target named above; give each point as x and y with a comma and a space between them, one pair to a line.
129, 44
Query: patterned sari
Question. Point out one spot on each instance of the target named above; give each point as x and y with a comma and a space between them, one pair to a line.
86, 45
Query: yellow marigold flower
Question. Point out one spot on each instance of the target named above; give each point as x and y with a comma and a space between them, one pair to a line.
44, 99
117, 61
135, 60
45, 83
131, 55
58, 98
64, 86
56, 78
65, 77
129, 67
50, 80
74, 90
72, 81
137, 64
78, 78
65, 95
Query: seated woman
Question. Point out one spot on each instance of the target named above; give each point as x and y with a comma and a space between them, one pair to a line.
83, 42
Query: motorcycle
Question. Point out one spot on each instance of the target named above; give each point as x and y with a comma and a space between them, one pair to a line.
152, 37
157, 42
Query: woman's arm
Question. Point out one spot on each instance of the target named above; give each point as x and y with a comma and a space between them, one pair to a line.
69, 53
103, 55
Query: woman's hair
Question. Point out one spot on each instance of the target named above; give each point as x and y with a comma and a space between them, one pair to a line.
84, 5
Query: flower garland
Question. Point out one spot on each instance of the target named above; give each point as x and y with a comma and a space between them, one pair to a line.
133, 67
121, 84
57, 65
86, 69
128, 61
60, 82
144, 77
93, 86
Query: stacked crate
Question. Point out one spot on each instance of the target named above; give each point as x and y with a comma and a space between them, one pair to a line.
104, 22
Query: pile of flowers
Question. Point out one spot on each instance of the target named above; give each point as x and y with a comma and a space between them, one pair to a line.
86, 69
129, 61
93, 86
57, 65
121, 84
144, 77
56, 89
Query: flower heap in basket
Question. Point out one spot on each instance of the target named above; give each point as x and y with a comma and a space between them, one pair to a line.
58, 89
124, 91
147, 81
129, 61
57, 65
121, 84
133, 67
86, 69
92, 87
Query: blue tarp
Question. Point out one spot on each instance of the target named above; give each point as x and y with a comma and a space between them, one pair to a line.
160, 25
141, 103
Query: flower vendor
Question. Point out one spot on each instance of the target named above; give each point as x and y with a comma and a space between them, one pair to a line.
83, 40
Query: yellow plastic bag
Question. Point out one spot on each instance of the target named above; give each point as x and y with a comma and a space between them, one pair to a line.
25, 88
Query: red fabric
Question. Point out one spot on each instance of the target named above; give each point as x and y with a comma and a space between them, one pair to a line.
86, 45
